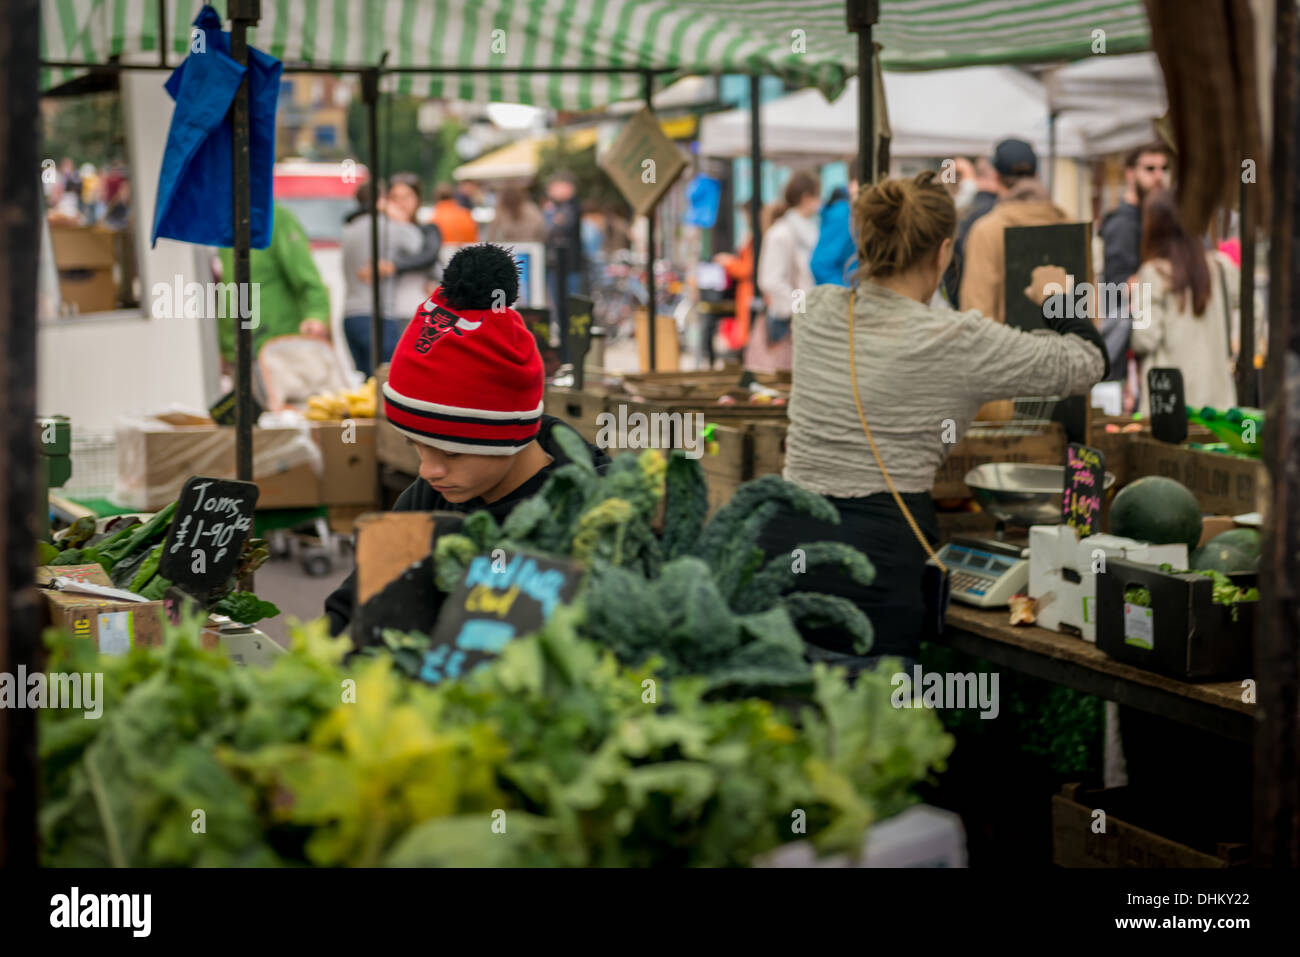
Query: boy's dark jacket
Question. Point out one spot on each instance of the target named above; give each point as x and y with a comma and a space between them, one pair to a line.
420, 497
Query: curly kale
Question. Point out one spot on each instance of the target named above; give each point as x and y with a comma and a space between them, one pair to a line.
780, 574
451, 557
725, 527
686, 504
813, 610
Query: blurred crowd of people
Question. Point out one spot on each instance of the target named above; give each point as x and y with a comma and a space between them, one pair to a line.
1193, 285
87, 196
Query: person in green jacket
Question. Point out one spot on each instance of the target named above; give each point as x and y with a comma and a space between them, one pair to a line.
292, 298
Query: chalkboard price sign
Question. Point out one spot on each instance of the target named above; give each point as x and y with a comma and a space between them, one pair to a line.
213, 518
1168, 405
1085, 484
501, 596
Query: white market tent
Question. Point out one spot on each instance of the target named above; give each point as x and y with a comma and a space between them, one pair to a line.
949, 113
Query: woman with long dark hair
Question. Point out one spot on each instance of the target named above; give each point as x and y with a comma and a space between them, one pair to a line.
1191, 293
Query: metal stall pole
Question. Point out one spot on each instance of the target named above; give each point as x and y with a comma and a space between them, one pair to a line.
755, 190
1277, 763
652, 309
1247, 380
20, 611
243, 13
862, 15
370, 96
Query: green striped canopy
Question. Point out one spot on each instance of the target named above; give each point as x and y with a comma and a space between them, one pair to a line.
804, 41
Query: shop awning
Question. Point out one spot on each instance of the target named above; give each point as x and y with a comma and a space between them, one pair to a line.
806, 43
520, 159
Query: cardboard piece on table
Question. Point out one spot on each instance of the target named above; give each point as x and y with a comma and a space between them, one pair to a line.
501, 596
643, 162
213, 519
1084, 493
1067, 247
395, 580
577, 334
1168, 405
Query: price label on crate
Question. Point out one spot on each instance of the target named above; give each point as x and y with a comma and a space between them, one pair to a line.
502, 595
1168, 405
213, 518
1085, 483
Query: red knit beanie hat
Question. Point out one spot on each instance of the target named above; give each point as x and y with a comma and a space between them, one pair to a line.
466, 377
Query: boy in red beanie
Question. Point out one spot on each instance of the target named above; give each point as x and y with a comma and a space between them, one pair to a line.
465, 388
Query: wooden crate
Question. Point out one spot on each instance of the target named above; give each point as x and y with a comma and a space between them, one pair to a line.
579, 408
1043, 446
731, 463
1075, 843
769, 447
1223, 484
1116, 446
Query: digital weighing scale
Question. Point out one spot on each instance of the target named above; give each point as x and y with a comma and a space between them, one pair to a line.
985, 573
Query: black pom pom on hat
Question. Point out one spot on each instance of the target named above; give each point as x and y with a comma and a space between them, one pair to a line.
477, 276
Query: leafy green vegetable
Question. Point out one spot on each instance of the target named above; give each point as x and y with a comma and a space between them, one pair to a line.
77, 534
245, 608
1137, 595
148, 568
581, 761
45, 553
70, 556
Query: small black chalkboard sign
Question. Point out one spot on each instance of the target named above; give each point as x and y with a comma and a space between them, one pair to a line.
538, 322
578, 334
213, 518
1085, 488
1168, 405
502, 595
223, 410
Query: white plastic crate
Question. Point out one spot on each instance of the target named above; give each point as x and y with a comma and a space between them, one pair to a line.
94, 466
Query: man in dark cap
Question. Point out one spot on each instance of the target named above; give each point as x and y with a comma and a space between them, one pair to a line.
1025, 202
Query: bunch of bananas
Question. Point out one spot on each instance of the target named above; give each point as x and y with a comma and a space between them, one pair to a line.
357, 403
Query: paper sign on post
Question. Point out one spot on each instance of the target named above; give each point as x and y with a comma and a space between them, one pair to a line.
643, 162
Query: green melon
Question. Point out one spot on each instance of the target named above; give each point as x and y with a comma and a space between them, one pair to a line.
1221, 558
1245, 539
1158, 510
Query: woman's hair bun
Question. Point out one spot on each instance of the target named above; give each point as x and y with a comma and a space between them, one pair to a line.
900, 221
478, 276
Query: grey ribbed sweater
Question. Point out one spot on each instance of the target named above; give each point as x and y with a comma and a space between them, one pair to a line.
922, 373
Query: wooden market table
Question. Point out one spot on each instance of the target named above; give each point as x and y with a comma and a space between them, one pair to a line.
1068, 660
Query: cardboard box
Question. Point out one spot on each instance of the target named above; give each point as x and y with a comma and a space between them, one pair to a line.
351, 475
1182, 633
155, 459
1076, 843
980, 445
84, 258
1223, 484
115, 625
1061, 576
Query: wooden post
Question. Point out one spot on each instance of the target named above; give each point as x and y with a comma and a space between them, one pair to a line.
20, 238
1277, 760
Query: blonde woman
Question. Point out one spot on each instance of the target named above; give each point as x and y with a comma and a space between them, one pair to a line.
922, 374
